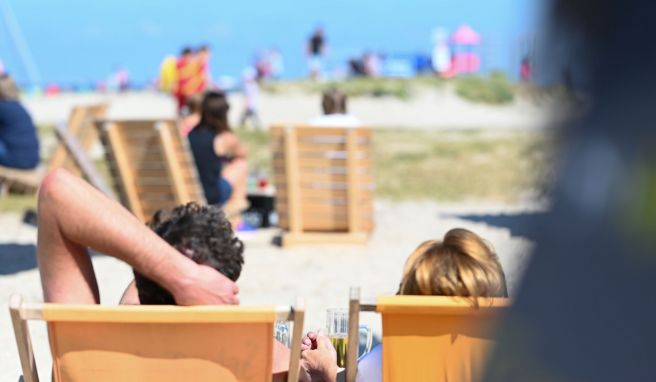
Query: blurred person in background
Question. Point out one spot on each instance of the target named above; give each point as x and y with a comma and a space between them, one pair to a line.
219, 155
189, 121
186, 69
276, 63
525, 70
316, 49
19, 144
203, 78
168, 74
251, 91
334, 106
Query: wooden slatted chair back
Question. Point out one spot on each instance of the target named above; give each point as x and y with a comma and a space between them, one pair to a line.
324, 179
151, 165
81, 127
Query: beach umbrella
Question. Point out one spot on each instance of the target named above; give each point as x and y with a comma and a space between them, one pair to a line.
465, 35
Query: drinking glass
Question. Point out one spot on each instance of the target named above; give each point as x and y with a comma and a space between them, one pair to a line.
337, 328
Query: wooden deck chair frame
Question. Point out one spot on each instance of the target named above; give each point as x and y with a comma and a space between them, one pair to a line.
74, 155
80, 126
22, 312
443, 305
77, 153
293, 200
181, 175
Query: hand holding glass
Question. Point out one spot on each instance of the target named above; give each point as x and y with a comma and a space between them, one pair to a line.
337, 327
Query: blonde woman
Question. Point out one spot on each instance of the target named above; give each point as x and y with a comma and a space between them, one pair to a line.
461, 264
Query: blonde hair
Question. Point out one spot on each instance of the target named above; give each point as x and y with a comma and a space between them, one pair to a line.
462, 264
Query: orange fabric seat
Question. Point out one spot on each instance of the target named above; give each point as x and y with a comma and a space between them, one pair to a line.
156, 343
431, 338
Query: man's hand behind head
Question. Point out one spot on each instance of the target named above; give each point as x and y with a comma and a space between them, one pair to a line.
205, 286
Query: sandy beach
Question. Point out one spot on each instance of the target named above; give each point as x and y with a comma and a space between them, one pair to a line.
435, 109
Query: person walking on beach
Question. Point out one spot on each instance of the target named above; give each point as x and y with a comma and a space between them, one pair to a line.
251, 91
316, 48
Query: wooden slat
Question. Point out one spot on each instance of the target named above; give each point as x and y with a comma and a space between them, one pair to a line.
322, 162
353, 189
123, 164
293, 199
172, 160
325, 225
366, 193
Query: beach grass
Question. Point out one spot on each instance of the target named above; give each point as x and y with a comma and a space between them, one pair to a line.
452, 165
494, 88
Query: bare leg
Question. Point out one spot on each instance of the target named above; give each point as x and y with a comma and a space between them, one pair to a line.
74, 216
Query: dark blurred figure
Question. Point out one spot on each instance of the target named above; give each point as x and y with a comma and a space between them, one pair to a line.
219, 154
316, 48
335, 111
525, 70
356, 67
19, 144
585, 310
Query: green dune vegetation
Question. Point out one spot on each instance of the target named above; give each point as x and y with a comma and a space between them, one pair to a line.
448, 166
495, 88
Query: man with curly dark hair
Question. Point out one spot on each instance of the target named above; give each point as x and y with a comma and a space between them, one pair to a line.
75, 217
174, 262
203, 234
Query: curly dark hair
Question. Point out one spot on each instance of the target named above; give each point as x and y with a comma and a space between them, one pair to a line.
201, 233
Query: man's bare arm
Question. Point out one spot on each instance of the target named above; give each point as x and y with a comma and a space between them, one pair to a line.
74, 216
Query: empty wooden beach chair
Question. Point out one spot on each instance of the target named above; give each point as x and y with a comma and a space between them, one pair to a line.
324, 183
80, 126
151, 165
156, 343
429, 338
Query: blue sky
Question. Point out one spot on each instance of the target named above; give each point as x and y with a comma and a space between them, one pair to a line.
83, 41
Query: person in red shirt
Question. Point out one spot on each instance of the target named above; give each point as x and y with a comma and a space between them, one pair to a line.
186, 67
203, 79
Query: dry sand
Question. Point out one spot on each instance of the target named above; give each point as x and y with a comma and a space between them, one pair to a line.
437, 109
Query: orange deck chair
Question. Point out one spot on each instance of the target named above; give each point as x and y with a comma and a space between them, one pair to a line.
156, 343
429, 338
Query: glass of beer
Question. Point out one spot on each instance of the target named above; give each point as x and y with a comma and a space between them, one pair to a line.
337, 328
